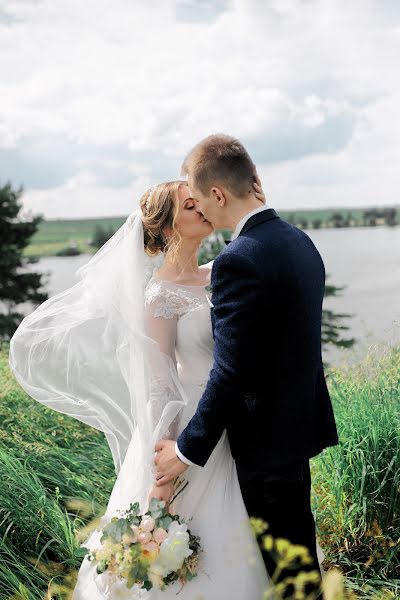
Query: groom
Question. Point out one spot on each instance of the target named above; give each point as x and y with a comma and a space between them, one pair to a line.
267, 386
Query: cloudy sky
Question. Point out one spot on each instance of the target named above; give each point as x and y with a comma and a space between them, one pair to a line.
101, 98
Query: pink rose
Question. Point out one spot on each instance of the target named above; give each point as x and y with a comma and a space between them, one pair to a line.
160, 535
147, 523
145, 537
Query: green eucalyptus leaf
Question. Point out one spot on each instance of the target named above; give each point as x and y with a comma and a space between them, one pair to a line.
147, 585
164, 522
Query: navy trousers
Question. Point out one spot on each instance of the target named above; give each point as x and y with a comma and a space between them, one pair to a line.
281, 497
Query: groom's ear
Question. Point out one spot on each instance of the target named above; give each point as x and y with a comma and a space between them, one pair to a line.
218, 195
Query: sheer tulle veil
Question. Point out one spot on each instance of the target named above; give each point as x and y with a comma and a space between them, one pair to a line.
84, 352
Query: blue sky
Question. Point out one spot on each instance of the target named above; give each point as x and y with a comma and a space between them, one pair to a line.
101, 99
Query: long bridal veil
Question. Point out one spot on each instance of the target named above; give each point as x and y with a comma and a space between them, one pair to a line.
84, 352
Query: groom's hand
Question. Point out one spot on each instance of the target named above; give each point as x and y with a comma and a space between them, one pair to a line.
168, 465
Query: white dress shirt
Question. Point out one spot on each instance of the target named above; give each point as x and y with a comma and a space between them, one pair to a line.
242, 222
238, 229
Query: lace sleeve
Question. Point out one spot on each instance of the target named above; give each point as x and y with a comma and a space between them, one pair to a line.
162, 308
161, 321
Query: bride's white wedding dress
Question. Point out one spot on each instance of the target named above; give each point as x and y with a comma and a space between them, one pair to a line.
232, 568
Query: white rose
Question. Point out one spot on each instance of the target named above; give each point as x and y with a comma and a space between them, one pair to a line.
174, 549
156, 569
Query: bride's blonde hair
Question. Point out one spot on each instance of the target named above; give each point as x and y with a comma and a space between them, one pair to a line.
159, 207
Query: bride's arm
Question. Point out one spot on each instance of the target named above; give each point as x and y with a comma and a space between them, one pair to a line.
162, 309
161, 326
162, 329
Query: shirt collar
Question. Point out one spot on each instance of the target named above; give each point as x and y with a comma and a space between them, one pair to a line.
244, 220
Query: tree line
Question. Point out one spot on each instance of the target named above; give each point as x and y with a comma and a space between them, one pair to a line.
370, 217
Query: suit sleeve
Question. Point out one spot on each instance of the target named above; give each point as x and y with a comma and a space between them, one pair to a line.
238, 299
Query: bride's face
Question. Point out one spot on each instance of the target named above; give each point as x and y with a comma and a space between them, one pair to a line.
189, 220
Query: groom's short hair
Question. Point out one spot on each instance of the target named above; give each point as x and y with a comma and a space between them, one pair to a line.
220, 159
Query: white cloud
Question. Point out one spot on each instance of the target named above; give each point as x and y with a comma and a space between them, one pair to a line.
83, 196
308, 85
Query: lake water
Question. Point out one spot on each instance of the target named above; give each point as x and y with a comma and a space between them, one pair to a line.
365, 260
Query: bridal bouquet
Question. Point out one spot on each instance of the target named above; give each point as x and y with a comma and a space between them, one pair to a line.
146, 551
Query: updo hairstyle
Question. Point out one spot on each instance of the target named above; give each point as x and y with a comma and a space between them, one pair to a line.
159, 206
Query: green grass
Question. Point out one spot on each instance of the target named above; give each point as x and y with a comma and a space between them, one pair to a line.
48, 461
358, 482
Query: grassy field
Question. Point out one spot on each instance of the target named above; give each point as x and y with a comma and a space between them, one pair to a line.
56, 234
49, 463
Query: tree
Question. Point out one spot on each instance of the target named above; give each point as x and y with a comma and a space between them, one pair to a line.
18, 284
389, 215
332, 323
369, 217
316, 223
101, 236
291, 218
303, 224
337, 220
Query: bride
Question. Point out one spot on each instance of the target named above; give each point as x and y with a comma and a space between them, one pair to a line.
128, 350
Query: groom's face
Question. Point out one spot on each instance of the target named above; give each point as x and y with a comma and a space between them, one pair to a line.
204, 204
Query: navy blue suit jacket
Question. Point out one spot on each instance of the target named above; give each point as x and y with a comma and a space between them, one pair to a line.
267, 385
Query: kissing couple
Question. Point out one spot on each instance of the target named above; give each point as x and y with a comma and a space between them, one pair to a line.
207, 379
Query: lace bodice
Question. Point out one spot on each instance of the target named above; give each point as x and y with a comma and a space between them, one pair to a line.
178, 317
170, 299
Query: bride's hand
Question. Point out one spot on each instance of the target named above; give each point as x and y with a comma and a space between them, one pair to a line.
168, 465
259, 191
162, 492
